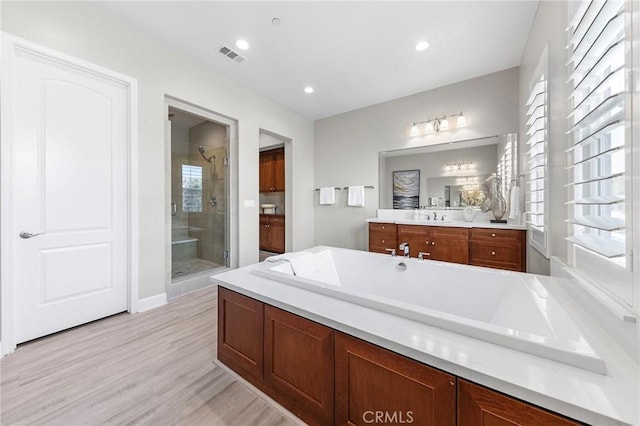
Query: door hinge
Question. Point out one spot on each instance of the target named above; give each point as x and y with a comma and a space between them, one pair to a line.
225, 254
226, 161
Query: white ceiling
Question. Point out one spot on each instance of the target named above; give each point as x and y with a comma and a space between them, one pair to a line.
354, 54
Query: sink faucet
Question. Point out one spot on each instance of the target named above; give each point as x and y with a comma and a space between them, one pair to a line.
405, 248
435, 214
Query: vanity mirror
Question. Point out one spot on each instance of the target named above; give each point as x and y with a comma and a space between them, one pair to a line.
452, 173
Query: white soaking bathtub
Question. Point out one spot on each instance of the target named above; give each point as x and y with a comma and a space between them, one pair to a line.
507, 308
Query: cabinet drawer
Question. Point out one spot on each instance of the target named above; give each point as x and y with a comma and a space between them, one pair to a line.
449, 232
504, 235
386, 227
419, 230
503, 255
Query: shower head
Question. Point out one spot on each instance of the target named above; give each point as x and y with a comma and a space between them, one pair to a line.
208, 159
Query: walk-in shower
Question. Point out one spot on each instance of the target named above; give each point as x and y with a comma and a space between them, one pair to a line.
199, 196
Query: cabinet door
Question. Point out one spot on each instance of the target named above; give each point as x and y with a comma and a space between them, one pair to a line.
278, 170
451, 244
496, 255
266, 172
298, 365
419, 239
481, 406
454, 250
264, 233
276, 234
376, 386
240, 334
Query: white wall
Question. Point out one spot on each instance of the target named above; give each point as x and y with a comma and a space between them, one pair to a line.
549, 27
346, 146
82, 30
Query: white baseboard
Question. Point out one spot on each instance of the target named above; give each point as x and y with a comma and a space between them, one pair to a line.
152, 302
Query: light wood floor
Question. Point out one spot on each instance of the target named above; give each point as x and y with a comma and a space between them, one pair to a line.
153, 368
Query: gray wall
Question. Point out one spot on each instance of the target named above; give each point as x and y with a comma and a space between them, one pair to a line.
549, 27
84, 31
346, 146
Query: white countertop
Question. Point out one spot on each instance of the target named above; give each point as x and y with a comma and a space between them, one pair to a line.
580, 394
453, 223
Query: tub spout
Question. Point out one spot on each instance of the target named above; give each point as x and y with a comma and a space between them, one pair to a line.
405, 249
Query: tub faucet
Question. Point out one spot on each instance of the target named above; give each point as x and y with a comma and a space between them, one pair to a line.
405, 249
392, 251
290, 264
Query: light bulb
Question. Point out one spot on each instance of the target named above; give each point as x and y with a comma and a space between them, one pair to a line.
414, 130
428, 127
242, 44
462, 121
444, 124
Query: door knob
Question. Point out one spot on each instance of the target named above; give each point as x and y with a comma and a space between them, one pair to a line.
26, 235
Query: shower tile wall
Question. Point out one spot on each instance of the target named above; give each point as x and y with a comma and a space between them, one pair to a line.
209, 225
179, 156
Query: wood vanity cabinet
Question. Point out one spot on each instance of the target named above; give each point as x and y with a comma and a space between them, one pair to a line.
272, 170
498, 248
447, 244
478, 405
382, 236
272, 233
372, 381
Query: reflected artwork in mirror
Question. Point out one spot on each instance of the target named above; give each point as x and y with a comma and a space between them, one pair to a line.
406, 189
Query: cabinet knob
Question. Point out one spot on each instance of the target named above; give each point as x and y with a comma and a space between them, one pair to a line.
493, 253
493, 235
433, 243
382, 241
383, 227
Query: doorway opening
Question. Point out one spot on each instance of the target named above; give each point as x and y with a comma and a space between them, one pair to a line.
274, 172
199, 197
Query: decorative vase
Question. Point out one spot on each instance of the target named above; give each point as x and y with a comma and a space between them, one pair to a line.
468, 213
499, 207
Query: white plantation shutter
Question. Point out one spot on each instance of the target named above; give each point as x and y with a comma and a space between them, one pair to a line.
537, 131
599, 133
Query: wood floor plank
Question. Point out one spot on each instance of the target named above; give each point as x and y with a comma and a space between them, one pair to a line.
153, 368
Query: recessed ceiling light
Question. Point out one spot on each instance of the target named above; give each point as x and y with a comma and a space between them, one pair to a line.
421, 45
276, 21
242, 44
308, 89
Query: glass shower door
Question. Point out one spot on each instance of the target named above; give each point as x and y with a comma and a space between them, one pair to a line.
199, 195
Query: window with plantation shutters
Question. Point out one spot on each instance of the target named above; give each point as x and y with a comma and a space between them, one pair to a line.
599, 133
536, 156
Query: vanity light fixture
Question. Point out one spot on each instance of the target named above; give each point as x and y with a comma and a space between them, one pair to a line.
461, 121
438, 123
459, 165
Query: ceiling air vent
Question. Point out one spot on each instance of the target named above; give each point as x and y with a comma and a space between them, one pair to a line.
231, 54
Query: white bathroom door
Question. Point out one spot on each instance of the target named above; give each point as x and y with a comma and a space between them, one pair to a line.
69, 238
